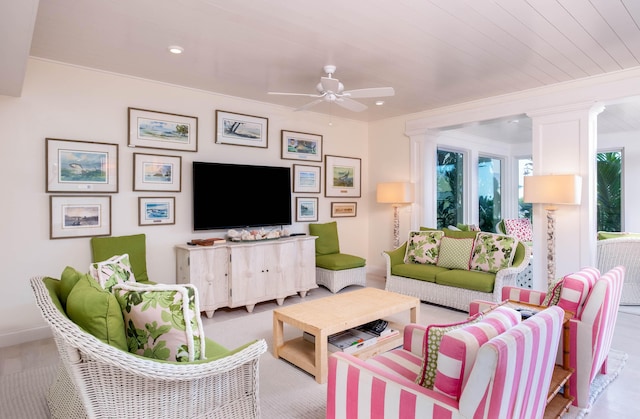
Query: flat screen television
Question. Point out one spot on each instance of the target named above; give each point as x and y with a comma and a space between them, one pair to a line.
240, 196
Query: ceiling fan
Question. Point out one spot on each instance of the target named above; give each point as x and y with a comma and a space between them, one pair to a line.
332, 91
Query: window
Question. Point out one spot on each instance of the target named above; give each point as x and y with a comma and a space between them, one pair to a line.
609, 190
525, 168
489, 199
450, 176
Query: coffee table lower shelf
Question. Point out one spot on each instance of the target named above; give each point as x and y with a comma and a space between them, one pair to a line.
301, 352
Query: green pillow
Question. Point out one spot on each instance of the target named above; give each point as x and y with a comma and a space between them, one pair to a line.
68, 280
459, 234
455, 253
97, 312
327, 242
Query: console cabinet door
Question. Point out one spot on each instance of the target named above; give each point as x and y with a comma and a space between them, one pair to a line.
248, 275
305, 265
207, 269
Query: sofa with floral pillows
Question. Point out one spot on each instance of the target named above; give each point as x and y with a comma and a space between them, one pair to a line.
453, 268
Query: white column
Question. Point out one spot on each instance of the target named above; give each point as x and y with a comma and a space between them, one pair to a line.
564, 142
424, 148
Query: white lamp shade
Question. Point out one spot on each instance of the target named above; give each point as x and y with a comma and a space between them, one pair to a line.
553, 189
395, 193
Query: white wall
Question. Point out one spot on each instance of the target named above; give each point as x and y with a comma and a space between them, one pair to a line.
64, 102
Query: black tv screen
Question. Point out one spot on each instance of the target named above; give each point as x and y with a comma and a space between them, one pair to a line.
240, 196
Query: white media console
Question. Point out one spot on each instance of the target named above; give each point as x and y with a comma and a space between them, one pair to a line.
235, 274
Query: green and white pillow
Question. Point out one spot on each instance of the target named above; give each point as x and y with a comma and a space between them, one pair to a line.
115, 270
431, 346
423, 246
492, 252
162, 321
455, 253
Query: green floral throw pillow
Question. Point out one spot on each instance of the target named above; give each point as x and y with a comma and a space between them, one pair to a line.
162, 321
115, 270
492, 252
422, 247
553, 293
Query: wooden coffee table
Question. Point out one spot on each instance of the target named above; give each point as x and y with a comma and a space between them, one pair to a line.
329, 315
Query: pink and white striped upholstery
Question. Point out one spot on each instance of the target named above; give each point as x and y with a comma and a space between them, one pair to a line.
575, 288
459, 348
510, 379
591, 333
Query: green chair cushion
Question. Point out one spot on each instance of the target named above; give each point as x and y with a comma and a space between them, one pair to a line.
135, 246
417, 271
327, 242
97, 312
471, 280
604, 235
459, 234
68, 280
339, 261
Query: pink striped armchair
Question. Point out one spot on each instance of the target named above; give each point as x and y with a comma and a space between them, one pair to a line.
510, 378
595, 301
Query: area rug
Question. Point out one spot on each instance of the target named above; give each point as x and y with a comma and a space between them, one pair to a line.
617, 360
285, 390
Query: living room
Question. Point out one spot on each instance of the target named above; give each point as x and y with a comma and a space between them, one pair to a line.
70, 102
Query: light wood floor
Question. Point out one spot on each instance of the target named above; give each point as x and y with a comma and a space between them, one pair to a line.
618, 401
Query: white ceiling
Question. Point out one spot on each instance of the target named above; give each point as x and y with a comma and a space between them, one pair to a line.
433, 53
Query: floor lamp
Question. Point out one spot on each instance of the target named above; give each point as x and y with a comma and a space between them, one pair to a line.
395, 193
552, 190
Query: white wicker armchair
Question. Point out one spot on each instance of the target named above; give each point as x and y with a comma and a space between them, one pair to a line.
96, 380
623, 251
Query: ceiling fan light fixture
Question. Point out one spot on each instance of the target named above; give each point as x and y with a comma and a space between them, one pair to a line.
175, 49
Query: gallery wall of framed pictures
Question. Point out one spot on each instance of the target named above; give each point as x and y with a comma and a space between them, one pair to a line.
81, 169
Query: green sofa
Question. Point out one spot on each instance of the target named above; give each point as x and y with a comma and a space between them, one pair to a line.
454, 288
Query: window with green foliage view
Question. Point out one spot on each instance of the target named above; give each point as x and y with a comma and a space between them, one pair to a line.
450, 177
489, 199
609, 191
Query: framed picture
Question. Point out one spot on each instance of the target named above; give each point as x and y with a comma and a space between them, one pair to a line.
156, 211
343, 209
154, 172
342, 176
306, 179
240, 129
79, 216
306, 209
81, 166
170, 131
301, 146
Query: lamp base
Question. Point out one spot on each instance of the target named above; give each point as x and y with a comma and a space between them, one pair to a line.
396, 226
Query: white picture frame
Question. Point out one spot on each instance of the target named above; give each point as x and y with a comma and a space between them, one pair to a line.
306, 179
155, 172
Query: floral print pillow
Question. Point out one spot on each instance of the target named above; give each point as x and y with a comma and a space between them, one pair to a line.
492, 252
162, 321
115, 270
520, 228
422, 247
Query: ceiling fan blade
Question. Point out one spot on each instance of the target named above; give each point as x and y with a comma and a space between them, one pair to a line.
350, 104
370, 92
329, 84
308, 105
295, 94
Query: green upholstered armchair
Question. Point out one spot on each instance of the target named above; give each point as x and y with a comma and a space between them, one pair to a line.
102, 248
335, 270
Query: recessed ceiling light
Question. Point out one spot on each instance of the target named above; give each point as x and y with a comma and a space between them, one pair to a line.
175, 49
379, 102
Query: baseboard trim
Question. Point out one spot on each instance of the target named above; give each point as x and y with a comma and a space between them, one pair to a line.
23, 336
